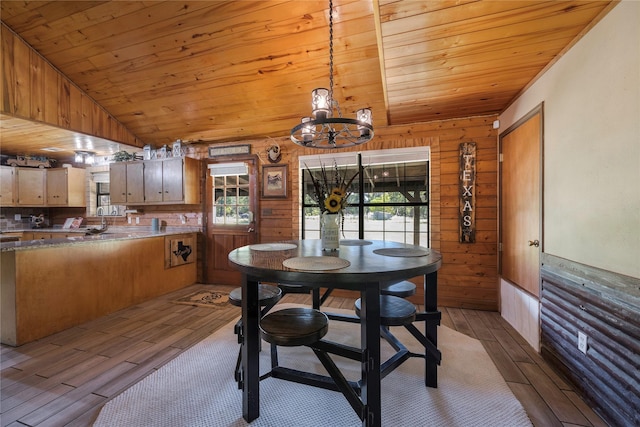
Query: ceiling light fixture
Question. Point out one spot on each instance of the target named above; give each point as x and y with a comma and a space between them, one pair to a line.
87, 157
323, 130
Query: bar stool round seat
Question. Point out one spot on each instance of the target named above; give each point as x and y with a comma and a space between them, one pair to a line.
294, 326
267, 295
402, 289
394, 311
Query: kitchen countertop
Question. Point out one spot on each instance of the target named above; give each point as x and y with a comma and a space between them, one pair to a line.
113, 233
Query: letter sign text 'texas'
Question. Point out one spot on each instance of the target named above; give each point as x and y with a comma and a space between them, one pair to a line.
467, 192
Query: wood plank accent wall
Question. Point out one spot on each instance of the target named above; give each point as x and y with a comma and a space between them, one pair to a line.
31, 88
606, 307
468, 277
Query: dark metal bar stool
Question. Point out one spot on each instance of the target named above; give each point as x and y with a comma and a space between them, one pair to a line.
394, 311
402, 289
317, 299
397, 311
305, 326
294, 326
406, 289
268, 296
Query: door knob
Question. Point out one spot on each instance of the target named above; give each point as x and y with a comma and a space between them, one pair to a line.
535, 243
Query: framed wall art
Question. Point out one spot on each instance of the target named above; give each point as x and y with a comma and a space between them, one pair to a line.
274, 182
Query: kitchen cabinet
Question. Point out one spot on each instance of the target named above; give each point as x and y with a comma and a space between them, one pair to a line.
31, 186
153, 191
44, 235
174, 180
7, 186
47, 289
42, 187
166, 181
126, 181
66, 187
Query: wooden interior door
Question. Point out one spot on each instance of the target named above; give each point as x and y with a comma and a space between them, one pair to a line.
520, 204
222, 237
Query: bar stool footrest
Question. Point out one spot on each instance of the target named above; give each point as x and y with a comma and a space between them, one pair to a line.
309, 378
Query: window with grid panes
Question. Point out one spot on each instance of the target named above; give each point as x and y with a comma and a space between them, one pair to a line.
231, 200
389, 199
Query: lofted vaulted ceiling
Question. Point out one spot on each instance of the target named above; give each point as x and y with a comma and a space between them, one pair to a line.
230, 70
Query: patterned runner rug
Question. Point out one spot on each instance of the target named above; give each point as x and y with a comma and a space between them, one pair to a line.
197, 388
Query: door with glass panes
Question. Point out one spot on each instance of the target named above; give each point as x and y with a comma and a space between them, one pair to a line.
231, 220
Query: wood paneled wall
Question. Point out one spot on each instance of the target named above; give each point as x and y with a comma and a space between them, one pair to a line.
468, 277
31, 88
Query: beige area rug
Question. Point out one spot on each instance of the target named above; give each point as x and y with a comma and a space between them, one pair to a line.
197, 389
210, 299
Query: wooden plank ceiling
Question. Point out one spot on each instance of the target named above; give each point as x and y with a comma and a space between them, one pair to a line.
231, 70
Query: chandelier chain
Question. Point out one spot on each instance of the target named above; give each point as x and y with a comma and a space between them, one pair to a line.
331, 50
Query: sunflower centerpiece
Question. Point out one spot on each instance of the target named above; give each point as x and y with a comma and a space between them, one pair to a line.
331, 191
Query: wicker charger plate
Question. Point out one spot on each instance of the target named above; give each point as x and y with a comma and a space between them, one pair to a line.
401, 252
272, 247
315, 263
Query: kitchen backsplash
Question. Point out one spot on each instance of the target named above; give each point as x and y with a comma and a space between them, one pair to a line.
26, 217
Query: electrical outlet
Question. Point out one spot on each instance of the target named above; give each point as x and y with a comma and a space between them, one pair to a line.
582, 342
129, 220
137, 220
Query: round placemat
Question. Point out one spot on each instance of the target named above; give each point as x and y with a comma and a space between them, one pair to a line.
316, 263
272, 247
354, 242
401, 252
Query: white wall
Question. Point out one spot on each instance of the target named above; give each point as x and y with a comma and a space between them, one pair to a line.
591, 176
591, 97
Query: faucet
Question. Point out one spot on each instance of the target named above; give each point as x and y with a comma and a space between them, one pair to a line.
103, 219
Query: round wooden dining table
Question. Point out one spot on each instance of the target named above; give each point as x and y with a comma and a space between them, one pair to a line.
359, 265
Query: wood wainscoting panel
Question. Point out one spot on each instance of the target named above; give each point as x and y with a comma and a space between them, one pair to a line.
605, 306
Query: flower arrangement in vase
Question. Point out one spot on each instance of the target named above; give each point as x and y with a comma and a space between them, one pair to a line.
331, 191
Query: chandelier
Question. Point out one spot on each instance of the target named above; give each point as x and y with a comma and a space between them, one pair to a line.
324, 130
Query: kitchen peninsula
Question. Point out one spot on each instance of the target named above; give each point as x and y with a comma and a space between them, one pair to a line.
54, 284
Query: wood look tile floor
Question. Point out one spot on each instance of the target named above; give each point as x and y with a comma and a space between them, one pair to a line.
65, 379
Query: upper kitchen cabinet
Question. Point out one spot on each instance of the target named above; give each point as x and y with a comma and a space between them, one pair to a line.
42, 187
7, 186
66, 187
126, 180
174, 180
31, 186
